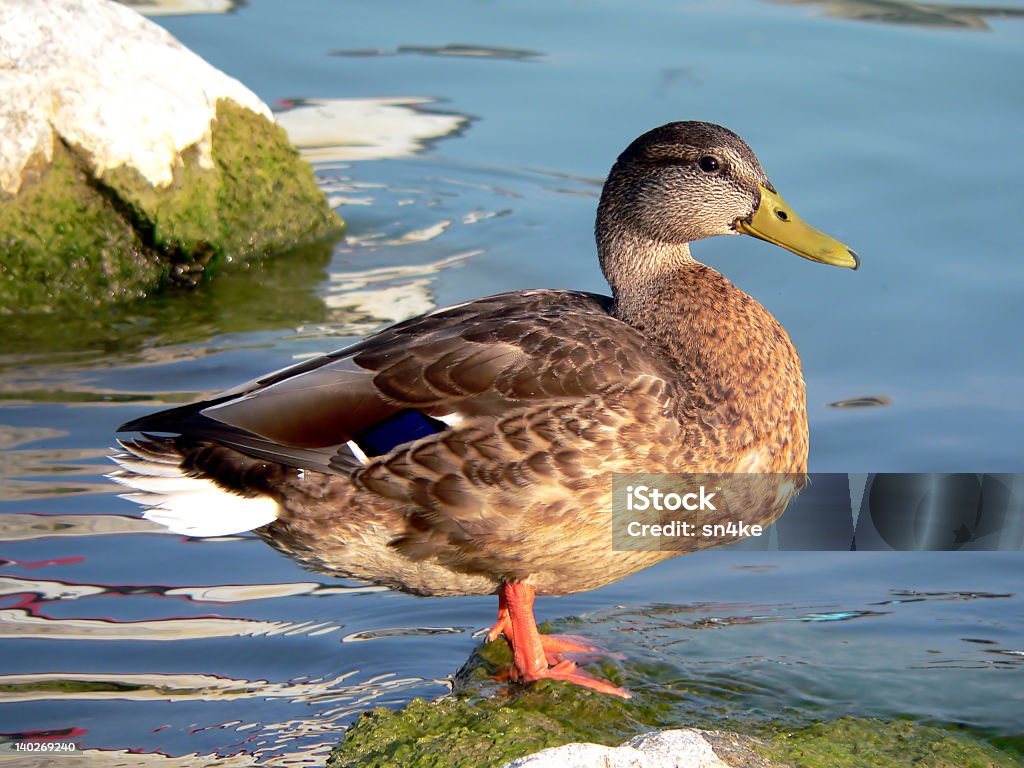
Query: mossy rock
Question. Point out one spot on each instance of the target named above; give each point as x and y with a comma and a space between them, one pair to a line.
858, 742
69, 241
486, 723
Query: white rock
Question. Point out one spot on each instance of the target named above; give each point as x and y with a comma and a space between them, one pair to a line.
682, 748
104, 79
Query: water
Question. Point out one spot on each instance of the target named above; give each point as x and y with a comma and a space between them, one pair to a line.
898, 136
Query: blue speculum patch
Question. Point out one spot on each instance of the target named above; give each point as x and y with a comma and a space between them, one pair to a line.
402, 427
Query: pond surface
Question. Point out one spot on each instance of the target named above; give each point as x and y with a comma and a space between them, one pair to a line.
894, 127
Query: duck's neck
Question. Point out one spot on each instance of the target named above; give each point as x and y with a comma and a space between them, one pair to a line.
645, 276
724, 345
674, 300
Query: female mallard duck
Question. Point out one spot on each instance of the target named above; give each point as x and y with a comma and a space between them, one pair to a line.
471, 450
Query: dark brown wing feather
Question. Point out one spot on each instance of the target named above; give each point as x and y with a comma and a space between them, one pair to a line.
484, 357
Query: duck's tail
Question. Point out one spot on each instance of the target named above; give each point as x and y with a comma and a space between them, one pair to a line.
182, 500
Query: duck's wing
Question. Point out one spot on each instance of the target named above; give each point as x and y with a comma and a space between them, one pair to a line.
426, 375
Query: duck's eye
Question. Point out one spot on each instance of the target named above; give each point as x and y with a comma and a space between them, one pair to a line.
708, 164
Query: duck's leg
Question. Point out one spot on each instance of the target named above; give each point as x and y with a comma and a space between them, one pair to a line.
536, 656
554, 644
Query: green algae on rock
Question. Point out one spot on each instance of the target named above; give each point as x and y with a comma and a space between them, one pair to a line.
479, 726
857, 742
69, 241
63, 243
485, 724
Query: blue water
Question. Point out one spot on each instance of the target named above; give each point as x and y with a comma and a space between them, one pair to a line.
900, 136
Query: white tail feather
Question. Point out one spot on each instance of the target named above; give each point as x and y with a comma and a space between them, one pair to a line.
164, 485
142, 467
192, 506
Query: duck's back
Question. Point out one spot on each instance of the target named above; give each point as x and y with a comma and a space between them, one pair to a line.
485, 358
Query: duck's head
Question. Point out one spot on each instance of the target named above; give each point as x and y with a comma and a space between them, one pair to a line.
690, 180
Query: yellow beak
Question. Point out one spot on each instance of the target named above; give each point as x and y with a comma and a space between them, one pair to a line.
775, 222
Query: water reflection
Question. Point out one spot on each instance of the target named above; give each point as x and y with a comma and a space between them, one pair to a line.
389, 294
23, 623
342, 130
24, 526
913, 13
182, 7
326, 702
35, 592
913, 596
25, 617
160, 686
450, 50
39, 474
864, 401
275, 292
387, 633
784, 647
291, 742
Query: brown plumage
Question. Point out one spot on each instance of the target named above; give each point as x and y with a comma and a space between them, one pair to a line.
512, 412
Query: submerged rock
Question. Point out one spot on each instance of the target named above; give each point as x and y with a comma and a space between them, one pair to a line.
127, 162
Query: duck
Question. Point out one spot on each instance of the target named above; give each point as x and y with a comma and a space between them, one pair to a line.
473, 450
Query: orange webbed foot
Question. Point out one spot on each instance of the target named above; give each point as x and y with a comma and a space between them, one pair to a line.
568, 671
537, 656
